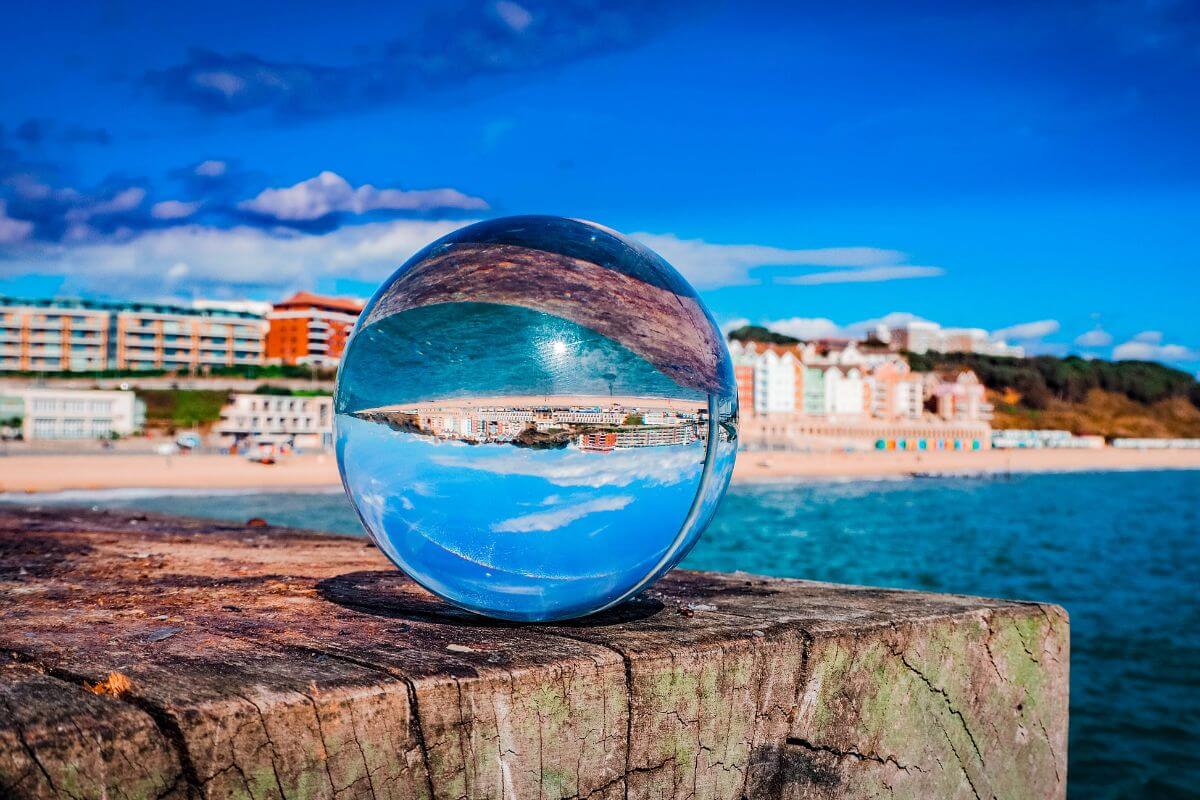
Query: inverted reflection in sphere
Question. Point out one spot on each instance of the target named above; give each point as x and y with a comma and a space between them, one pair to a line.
536, 417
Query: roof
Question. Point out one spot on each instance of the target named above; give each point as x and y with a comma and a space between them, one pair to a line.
133, 306
954, 374
347, 304
763, 347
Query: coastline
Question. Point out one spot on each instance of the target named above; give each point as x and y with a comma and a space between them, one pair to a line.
24, 475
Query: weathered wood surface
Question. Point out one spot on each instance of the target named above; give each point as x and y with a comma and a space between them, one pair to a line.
268, 663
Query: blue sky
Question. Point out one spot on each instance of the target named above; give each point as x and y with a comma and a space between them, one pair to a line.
1029, 167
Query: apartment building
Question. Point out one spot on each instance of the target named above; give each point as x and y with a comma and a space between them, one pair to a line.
896, 392
770, 378
53, 335
152, 336
74, 413
89, 336
964, 340
310, 328
958, 396
919, 336
254, 419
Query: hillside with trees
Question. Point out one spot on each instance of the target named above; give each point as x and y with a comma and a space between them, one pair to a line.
757, 333
1106, 398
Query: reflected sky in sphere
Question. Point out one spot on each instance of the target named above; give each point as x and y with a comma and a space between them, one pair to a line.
536, 418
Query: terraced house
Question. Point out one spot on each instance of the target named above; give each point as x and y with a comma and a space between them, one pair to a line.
843, 393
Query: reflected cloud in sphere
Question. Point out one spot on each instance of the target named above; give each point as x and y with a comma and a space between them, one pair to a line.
536, 418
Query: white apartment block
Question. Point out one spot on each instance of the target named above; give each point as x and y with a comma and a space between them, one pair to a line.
76, 413
919, 337
925, 337
305, 423
963, 340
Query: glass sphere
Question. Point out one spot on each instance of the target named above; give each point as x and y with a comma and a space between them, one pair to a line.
536, 417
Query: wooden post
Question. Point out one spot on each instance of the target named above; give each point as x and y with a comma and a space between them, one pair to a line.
159, 657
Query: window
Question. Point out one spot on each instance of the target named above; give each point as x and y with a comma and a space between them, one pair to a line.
101, 428
44, 404
74, 406
101, 407
73, 428
44, 428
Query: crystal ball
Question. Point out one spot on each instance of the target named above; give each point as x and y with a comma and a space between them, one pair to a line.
536, 417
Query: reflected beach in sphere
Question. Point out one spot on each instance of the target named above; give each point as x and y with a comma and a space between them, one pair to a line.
536, 418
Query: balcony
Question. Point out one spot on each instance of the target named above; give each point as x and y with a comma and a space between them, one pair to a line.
140, 329
92, 327
46, 336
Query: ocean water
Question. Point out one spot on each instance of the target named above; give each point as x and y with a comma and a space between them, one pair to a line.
1119, 550
455, 350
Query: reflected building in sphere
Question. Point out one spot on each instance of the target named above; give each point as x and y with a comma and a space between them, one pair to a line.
536, 417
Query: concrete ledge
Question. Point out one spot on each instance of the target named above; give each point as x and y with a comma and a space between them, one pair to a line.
268, 663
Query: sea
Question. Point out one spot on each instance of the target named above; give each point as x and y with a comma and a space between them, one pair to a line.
1119, 550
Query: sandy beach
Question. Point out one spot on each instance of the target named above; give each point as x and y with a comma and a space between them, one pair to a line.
760, 466
23, 474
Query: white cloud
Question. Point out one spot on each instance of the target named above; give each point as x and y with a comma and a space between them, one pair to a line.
561, 517
329, 192
574, 468
710, 265
12, 230
221, 81
247, 256
174, 209
177, 272
733, 324
1149, 346
241, 256
863, 275
806, 327
124, 200
894, 319
1027, 330
1097, 337
513, 15
211, 168
891, 319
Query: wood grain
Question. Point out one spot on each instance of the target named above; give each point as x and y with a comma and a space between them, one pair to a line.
273, 663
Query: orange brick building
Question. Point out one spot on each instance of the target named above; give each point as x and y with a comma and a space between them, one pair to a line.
310, 328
